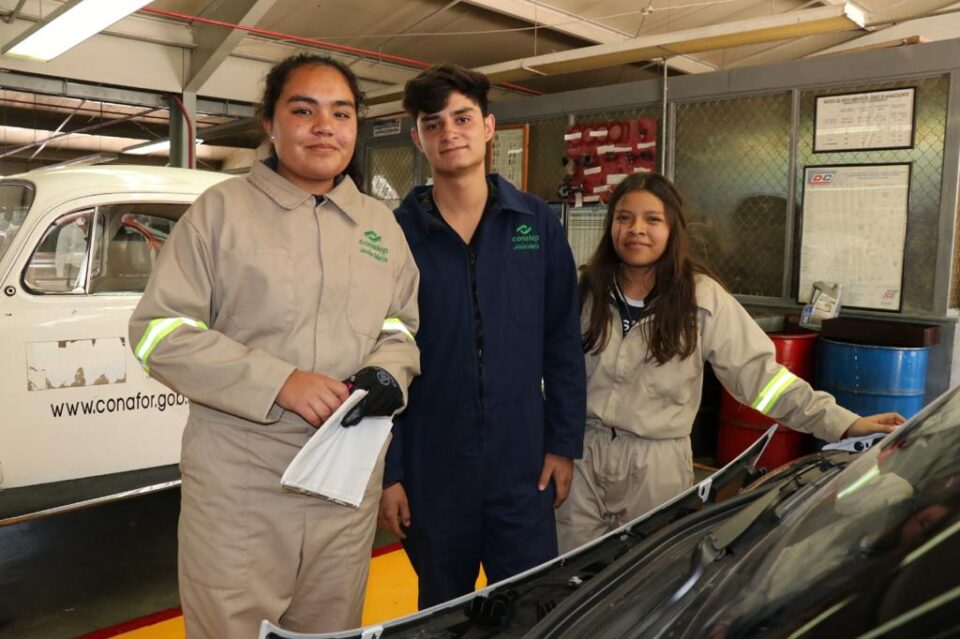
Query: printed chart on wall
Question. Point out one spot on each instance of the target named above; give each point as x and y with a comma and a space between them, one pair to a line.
871, 120
854, 232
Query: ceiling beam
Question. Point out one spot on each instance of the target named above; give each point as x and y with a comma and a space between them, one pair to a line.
666, 45
216, 43
578, 27
902, 11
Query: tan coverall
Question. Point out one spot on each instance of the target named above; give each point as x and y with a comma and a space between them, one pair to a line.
637, 451
256, 280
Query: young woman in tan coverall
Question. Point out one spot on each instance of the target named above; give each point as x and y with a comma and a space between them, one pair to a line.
272, 289
650, 317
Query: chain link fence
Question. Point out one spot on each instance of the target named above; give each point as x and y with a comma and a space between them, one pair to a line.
732, 163
391, 172
547, 150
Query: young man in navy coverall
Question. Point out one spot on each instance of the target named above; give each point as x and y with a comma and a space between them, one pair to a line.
485, 449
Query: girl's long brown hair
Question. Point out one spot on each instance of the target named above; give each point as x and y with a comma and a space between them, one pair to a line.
672, 330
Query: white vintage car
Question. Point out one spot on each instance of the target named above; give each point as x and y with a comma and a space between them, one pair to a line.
76, 249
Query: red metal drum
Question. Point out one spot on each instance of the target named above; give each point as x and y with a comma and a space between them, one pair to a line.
741, 425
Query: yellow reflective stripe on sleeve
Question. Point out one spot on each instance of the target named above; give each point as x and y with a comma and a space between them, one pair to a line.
158, 329
771, 392
393, 324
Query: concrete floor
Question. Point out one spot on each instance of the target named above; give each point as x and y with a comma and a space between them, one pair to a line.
79, 572
75, 573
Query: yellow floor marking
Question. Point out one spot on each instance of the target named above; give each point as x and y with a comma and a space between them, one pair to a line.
392, 588
169, 629
391, 593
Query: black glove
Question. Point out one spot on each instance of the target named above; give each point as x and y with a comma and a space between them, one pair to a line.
383, 394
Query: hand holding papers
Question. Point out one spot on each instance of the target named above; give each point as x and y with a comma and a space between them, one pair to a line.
337, 462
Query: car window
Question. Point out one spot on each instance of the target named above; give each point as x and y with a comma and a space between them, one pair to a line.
15, 201
59, 264
133, 235
111, 249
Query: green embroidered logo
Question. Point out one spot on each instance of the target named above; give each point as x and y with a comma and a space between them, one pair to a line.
524, 240
371, 246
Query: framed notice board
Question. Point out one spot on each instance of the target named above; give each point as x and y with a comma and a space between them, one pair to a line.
861, 121
507, 153
854, 232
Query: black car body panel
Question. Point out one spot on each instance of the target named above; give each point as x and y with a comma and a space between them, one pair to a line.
838, 544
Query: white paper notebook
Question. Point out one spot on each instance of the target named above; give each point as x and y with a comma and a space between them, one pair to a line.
336, 463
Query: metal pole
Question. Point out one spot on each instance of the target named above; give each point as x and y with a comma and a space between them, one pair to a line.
663, 121
183, 112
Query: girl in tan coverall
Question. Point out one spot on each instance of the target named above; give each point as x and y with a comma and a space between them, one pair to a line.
272, 288
650, 317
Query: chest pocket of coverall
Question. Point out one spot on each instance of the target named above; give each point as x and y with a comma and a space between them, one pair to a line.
257, 295
525, 287
369, 295
677, 380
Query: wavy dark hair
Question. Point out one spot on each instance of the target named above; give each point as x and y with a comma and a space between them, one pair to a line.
672, 330
430, 90
277, 78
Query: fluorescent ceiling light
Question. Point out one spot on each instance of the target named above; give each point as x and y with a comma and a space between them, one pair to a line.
152, 147
68, 26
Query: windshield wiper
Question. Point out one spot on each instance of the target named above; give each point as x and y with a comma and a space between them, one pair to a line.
714, 544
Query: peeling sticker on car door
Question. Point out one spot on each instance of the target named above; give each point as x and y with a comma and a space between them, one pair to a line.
76, 363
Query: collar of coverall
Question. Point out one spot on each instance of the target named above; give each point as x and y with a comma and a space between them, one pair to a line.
508, 197
344, 195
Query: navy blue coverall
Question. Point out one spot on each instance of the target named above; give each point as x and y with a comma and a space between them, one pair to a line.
497, 316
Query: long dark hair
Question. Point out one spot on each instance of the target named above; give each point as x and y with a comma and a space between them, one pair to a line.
277, 78
672, 330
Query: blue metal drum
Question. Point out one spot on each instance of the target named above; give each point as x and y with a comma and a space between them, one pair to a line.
873, 379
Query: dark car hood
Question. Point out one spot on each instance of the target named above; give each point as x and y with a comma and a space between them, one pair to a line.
835, 544
516, 605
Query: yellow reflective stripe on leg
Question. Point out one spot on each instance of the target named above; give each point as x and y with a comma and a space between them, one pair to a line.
158, 329
771, 392
393, 324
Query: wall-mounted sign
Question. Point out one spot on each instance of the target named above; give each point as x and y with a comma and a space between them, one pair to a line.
383, 128
871, 120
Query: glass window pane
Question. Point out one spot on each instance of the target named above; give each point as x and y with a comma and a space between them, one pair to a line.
133, 235
59, 263
15, 201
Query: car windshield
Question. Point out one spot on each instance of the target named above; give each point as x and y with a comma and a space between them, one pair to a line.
15, 201
892, 503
